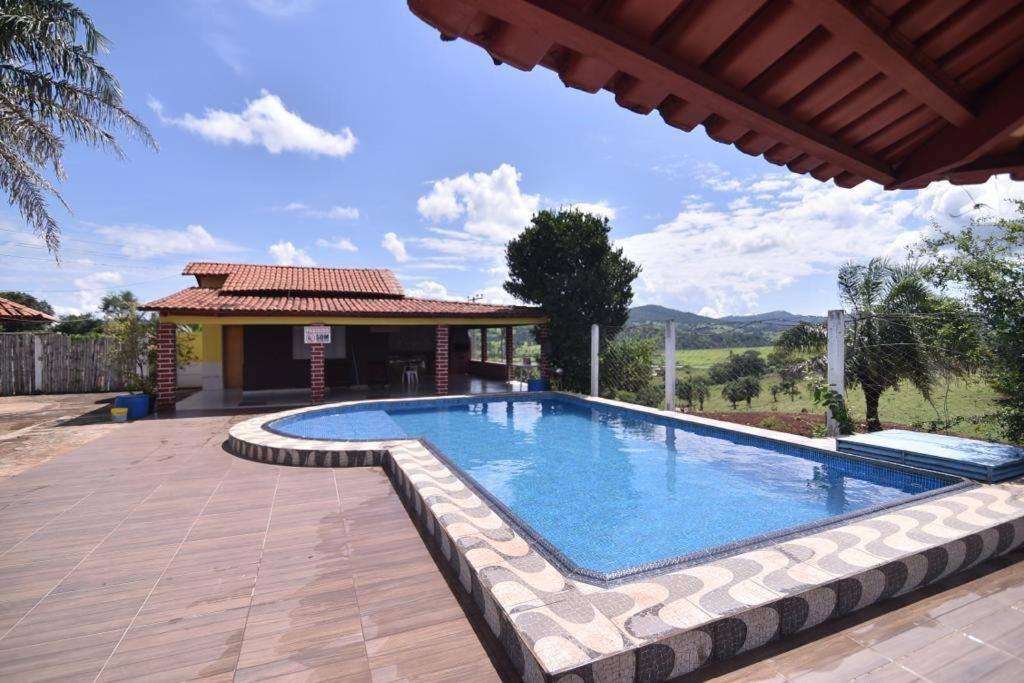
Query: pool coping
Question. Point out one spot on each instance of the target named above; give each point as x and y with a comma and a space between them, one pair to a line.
556, 626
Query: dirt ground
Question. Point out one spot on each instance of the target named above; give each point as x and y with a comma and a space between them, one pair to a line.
34, 429
792, 423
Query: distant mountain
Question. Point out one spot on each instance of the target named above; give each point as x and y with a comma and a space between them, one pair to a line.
652, 313
657, 314
780, 317
695, 331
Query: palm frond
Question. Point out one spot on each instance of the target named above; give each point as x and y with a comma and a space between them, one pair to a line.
52, 87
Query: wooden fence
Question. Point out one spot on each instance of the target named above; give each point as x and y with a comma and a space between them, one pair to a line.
52, 363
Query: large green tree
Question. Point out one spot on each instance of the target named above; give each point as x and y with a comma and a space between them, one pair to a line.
25, 299
565, 263
53, 89
79, 323
984, 264
119, 303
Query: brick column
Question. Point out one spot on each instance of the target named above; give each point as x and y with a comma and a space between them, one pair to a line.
543, 335
166, 366
508, 353
483, 344
316, 372
441, 360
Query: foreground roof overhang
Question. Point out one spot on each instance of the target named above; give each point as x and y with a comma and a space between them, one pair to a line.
12, 311
902, 93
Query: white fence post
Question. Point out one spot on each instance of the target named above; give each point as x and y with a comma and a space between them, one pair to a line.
37, 364
670, 365
595, 353
836, 362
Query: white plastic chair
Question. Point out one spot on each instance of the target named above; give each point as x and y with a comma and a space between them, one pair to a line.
411, 377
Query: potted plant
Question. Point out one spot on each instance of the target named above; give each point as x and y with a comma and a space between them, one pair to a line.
534, 382
130, 334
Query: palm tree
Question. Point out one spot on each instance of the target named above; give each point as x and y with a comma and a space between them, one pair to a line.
890, 337
53, 88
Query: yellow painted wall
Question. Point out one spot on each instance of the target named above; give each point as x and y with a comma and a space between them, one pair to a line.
211, 344
206, 343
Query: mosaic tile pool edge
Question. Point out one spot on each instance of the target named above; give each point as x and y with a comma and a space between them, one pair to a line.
556, 629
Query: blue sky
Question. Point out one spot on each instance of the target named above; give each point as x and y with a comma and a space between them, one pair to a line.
346, 133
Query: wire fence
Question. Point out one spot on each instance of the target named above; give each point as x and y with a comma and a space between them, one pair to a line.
920, 372
631, 366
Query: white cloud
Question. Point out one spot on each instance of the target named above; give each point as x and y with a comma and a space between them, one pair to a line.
395, 246
264, 121
495, 295
600, 208
287, 254
91, 290
724, 259
145, 242
492, 204
227, 51
769, 183
341, 213
709, 312
339, 243
430, 289
712, 176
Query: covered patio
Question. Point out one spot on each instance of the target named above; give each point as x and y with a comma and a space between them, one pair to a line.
278, 336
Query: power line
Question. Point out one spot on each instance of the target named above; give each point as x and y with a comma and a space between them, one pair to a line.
63, 237
123, 265
103, 289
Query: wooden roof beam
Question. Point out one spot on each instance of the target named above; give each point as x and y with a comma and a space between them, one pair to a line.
999, 163
595, 37
1001, 115
893, 54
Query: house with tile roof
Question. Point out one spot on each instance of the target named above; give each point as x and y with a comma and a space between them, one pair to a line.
313, 331
12, 311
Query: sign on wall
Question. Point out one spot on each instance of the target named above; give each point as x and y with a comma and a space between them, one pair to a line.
302, 341
317, 334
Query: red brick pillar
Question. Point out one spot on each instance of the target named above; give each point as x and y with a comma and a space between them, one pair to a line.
166, 366
508, 353
483, 344
543, 335
316, 372
441, 360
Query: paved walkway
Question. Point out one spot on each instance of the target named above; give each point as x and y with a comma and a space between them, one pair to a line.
34, 429
150, 552
153, 553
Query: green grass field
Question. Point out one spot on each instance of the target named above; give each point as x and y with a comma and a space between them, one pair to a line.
959, 398
702, 359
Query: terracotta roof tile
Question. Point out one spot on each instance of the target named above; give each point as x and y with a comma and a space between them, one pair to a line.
13, 311
202, 300
246, 277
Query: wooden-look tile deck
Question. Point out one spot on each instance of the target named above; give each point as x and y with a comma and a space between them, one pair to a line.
153, 553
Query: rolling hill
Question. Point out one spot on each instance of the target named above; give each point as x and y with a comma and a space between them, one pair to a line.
695, 331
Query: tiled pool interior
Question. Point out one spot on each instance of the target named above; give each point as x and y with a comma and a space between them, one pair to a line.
611, 490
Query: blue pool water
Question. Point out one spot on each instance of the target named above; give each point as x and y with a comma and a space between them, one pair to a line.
612, 489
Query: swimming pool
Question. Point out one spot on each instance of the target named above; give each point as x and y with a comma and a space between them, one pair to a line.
609, 491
